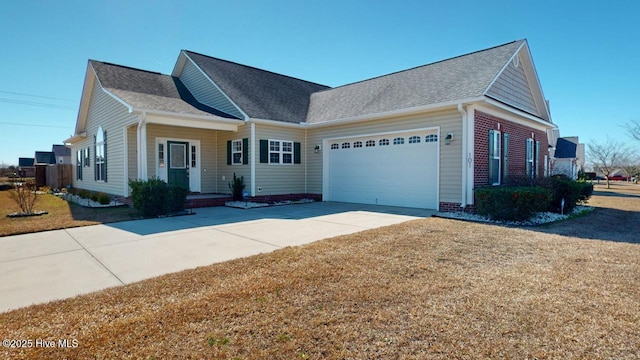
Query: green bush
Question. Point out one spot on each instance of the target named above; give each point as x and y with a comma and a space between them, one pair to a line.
573, 193
511, 203
155, 197
237, 187
104, 199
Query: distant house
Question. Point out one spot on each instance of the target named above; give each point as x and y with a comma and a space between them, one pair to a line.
425, 137
569, 157
26, 168
62, 154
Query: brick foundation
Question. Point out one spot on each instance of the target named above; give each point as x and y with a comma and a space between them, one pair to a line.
455, 207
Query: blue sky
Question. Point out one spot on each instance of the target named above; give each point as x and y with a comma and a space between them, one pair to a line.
586, 53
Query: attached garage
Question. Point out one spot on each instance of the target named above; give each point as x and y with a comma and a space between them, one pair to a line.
396, 169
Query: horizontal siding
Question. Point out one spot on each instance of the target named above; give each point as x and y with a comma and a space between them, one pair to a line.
208, 159
132, 149
205, 92
450, 155
280, 178
112, 116
226, 171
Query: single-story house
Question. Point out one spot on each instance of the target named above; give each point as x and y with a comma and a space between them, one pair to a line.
568, 158
424, 137
26, 167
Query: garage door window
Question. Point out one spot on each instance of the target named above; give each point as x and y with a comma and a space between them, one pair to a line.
335, 146
357, 144
398, 141
370, 143
414, 140
384, 142
346, 145
431, 138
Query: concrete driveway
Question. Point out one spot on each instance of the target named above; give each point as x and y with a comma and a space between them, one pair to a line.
40, 267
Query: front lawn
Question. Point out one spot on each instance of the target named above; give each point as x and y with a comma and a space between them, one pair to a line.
426, 289
61, 215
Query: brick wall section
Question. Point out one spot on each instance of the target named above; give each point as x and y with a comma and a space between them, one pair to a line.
518, 135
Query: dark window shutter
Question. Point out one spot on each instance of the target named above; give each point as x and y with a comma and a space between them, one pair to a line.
505, 155
296, 153
536, 160
104, 153
88, 156
264, 151
245, 151
95, 158
229, 152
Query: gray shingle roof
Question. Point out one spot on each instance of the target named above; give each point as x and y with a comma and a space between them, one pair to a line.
150, 90
60, 150
25, 161
565, 149
44, 157
259, 93
458, 78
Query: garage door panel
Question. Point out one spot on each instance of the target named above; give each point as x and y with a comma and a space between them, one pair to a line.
400, 175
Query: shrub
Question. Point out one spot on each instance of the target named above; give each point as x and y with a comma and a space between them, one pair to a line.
104, 199
155, 197
573, 193
237, 187
511, 203
25, 196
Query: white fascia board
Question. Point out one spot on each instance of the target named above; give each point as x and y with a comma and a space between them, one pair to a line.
276, 123
246, 117
129, 107
193, 121
399, 112
509, 113
177, 68
75, 138
537, 80
83, 111
515, 53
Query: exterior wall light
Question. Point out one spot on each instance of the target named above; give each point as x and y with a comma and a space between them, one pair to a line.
447, 140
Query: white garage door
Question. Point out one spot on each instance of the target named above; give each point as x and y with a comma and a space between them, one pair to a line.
399, 169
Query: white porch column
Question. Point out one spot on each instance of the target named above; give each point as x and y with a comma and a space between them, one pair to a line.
252, 161
142, 147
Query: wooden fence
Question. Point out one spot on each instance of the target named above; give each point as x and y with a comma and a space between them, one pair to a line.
59, 175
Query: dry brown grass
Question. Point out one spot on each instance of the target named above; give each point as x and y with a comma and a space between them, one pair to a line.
432, 288
60, 215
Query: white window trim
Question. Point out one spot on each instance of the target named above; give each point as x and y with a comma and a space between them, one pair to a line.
530, 150
281, 152
233, 152
497, 141
100, 159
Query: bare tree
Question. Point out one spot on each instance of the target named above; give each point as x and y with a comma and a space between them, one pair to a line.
607, 157
634, 129
631, 166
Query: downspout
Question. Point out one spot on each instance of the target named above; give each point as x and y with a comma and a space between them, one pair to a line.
253, 159
142, 146
465, 120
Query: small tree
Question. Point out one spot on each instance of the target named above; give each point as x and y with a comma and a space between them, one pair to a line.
237, 187
25, 196
607, 157
634, 129
631, 167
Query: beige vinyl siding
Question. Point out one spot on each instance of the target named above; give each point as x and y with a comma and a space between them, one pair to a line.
227, 171
450, 181
207, 140
132, 149
205, 91
104, 111
280, 178
512, 88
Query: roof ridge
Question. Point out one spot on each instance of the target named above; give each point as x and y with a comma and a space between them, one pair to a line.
128, 67
253, 67
420, 66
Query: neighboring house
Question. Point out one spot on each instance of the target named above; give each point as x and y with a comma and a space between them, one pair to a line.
424, 137
62, 154
41, 161
26, 168
569, 157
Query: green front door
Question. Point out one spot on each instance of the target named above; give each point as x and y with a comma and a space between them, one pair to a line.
178, 155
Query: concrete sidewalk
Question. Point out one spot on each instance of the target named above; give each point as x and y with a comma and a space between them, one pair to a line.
40, 267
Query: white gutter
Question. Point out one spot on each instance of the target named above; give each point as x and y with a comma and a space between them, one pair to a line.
461, 109
277, 123
528, 116
189, 116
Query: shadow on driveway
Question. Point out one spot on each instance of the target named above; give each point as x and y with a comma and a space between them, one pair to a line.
222, 215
